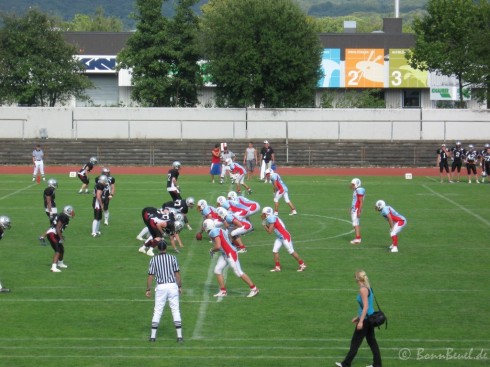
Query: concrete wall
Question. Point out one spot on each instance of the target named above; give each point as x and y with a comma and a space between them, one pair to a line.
212, 123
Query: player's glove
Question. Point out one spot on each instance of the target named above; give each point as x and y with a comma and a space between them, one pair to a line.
42, 241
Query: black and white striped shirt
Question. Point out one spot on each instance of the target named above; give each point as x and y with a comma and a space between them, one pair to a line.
163, 267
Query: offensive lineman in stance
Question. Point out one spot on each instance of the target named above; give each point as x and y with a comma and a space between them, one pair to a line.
228, 256
165, 270
4, 224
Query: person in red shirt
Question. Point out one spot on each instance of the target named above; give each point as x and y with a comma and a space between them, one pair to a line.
215, 162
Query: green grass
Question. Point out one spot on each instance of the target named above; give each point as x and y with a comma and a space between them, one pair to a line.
95, 313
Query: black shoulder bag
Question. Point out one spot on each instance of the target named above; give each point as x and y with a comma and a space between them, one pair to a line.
377, 318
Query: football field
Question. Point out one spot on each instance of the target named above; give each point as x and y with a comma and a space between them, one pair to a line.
95, 313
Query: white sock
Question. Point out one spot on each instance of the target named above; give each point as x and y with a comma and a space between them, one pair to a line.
106, 215
143, 232
94, 226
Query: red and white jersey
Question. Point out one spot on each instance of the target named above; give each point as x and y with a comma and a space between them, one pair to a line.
253, 206
227, 249
358, 197
279, 227
237, 169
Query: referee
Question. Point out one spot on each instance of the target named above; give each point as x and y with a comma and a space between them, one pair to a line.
164, 269
37, 159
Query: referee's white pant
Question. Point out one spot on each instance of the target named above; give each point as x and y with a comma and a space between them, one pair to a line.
38, 167
164, 292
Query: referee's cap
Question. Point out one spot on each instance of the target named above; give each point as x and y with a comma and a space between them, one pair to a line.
162, 245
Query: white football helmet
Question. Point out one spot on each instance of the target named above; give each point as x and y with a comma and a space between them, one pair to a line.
53, 183
487, 145
176, 165
221, 200
228, 161
179, 225
268, 171
471, 146
222, 212
232, 195
106, 171
5, 222
268, 211
103, 179
68, 210
93, 160
202, 203
208, 225
380, 204
190, 201
458, 143
356, 182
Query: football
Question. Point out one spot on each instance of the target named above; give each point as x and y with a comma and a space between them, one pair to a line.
199, 236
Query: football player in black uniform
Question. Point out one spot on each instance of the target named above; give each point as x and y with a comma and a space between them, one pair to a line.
172, 177
4, 225
101, 191
442, 157
471, 158
485, 163
157, 221
111, 181
457, 153
48, 198
56, 239
181, 206
82, 175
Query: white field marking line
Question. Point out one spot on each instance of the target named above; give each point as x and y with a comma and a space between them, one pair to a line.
16, 192
480, 218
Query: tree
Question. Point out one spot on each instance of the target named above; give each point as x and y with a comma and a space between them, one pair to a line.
37, 66
261, 53
445, 38
187, 77
96, 23
162, 56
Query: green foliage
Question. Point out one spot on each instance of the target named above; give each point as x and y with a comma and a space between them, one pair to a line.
261, 53
37, 65
95, 23
445, 39
162, 55
95, 313
366, 98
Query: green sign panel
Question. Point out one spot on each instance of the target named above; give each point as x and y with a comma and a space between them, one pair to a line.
402, 75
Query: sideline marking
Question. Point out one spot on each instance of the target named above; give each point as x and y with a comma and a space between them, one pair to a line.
480, 218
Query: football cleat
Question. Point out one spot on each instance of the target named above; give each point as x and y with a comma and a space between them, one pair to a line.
394, 249
42, 241
294, 212
150, 252
180, 340
55, 270
152, 340
242, 250
275, 269
142, 249
355, 241
221, 293
4, 290
139, 238
302, 267
62, 266
253, 292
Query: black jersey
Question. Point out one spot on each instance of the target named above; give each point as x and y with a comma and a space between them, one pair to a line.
442, 154
61, 218
49, 192
86, 168
172, 173
178, 205
472, 156
458, 153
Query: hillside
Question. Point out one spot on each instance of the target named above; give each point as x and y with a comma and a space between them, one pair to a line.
124, 8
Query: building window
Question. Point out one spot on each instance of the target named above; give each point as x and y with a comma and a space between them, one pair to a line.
411, 99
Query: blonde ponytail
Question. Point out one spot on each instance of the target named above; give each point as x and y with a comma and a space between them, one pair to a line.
362, 277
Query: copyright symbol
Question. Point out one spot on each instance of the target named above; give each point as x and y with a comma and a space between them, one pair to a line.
404, 354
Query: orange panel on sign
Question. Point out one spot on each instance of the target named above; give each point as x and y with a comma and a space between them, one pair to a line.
364, 68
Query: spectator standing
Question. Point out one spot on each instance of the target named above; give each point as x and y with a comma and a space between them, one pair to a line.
363, 329
172, 184
224, 156
215, 162
83, 174
442, 162
272, 223
38, 160
280, 190
457, 154
164, 269
395, 220
4, 225
250, 159
356, 208
267, 159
